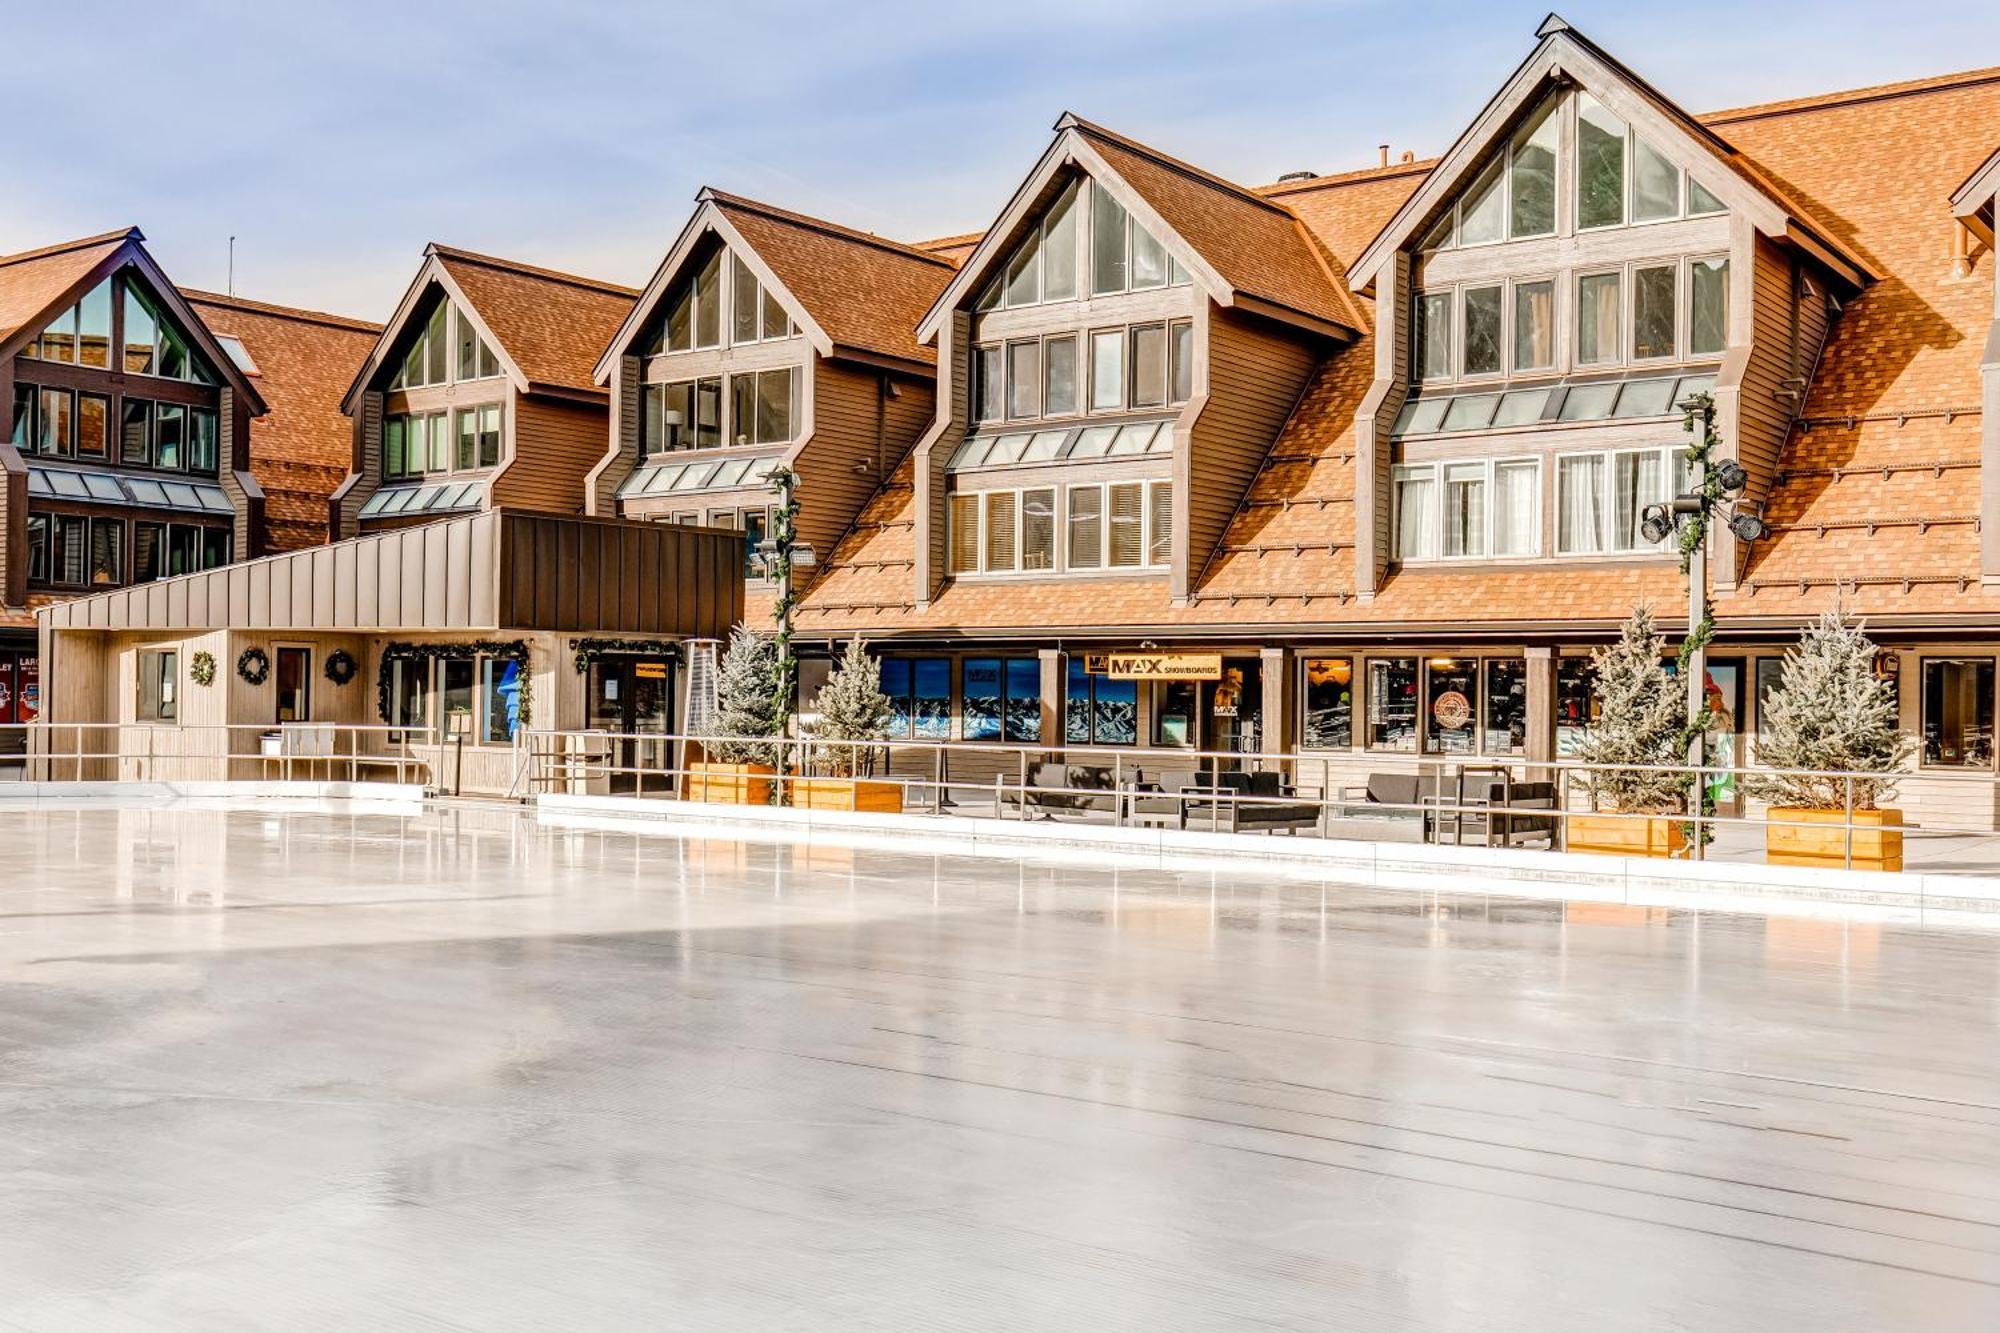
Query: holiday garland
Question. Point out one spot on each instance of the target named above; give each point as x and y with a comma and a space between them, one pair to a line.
506, 650
589, 650
254, 666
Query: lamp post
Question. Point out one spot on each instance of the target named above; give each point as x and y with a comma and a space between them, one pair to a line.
1716, 484
775, 558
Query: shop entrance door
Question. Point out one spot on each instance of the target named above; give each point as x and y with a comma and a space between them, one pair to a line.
633, 698
1233, 710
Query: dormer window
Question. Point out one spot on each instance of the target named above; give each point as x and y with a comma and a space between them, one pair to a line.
1043, 266
80, 335
447, 348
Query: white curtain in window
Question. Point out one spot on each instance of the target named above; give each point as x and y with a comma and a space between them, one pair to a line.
1515, 494
1637, 480
1580, 504
1465, 509
1416, 514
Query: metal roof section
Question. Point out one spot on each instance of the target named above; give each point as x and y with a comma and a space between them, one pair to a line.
116, 488
1563, 402
1088, 442
663, 476
434, 498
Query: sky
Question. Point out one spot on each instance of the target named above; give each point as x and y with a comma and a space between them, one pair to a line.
336, 139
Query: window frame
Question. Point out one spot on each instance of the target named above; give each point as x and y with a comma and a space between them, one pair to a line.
1489, 465
1153, 492
159, 667
1608, 549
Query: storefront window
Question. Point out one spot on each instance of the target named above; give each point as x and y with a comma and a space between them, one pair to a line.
1576, 704
455, 697
919, 690
1003, 699
1099, 710
1451, 701
1770, 678
1327, 719
1958, 712
406, 693
1506, 705
1392, 703
500, 687
1173, 712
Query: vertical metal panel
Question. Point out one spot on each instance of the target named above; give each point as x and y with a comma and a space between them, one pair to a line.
238, 608
260, 597
608, 596
402, 556
482, 606
278, 580
312, 588
456, 538
177, 601
345, 587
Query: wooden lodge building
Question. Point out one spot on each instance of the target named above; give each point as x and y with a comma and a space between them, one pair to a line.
1349, 466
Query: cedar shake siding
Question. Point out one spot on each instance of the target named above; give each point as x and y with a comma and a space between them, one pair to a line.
300, 449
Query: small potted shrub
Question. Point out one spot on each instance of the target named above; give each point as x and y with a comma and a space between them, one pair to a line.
852, 708
1831, 713
1639, 723
738, 762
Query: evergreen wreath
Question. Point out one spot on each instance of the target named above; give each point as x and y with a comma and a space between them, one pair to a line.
589, 650
201, 669
507, 650
341, 666
254, 666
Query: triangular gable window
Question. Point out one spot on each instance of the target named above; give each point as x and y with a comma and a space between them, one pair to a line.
81, 335
1083, 233
1613, 177
446, 348
698, 309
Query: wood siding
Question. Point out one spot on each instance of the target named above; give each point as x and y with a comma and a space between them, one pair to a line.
344, 509
859, 434
954, 410
1255, 372
1373, 451
1789, 319
621, 444
555, 445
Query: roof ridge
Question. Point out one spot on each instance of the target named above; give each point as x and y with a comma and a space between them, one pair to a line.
532, 270
272, 308
1874, 92
811, 223
64, 247
1071, 120
942, 242
1415, 167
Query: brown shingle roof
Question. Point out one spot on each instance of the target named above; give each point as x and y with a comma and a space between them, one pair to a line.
33, 280
552, 325
1258, 246
301, 449
866, 293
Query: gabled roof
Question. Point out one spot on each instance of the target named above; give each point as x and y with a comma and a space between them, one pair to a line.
1243, 249
37, 285
1565, 55
1977, 200
852, 292
545, 326
302, 448
33, 283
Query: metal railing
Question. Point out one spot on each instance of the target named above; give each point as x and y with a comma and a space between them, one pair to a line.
1462, 800
212, 752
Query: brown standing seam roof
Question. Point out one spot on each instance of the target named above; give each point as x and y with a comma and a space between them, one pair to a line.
553, 325
1259, 247
302, 448
865, 292
33, 280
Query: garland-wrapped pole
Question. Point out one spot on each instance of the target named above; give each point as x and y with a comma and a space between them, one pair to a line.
1693, 656
784, 535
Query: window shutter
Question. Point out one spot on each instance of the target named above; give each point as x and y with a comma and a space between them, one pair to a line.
999, 531
964, 534
1126, 538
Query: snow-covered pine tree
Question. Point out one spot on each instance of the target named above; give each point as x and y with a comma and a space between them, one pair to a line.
1640, 713
1831, 712
745, 707
851, 707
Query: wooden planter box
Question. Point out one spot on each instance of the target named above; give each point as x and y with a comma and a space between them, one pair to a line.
1878, 838
1625, 835
884, 798
730, 784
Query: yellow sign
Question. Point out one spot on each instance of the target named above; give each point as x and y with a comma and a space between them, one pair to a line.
1163, 666
649, 670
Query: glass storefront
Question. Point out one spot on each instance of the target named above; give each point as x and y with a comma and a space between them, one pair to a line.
1451, 705
1002, 699
919, 690
1958, 712
1098, 710
1506, 705
1326, 718
1392, 703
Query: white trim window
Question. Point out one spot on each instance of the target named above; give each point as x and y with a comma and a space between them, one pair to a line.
1124, 256
1480, 331
1043, 267
1652, 311
1601, 497
1119, 525
1463, 509
755, 315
